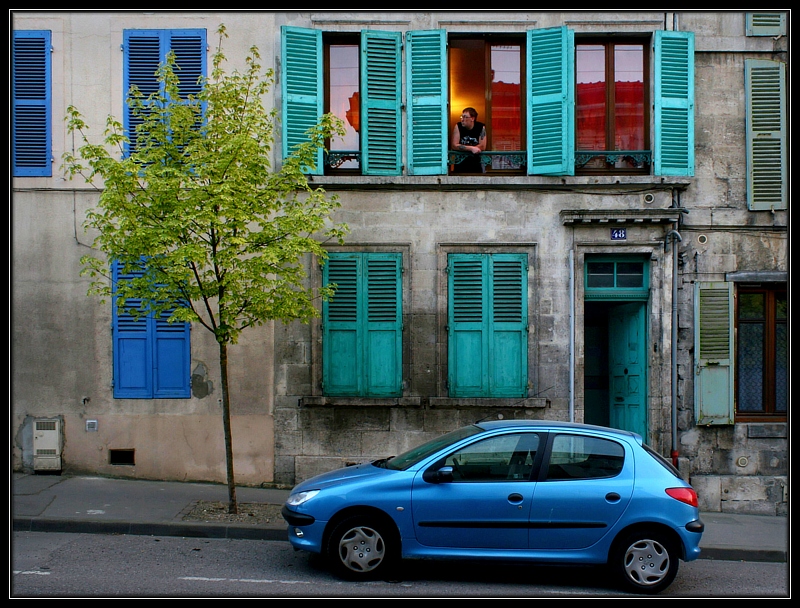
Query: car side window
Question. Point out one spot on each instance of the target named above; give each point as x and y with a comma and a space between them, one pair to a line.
501, 458
581, 457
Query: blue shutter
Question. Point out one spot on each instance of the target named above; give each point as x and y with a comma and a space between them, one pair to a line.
551, 101
673, 149
362, 325
31, 83
487, 325
301, 88
765, 91
384, 325
340, 315
145, 50
713, 353
380, 103
152, 357
426, 71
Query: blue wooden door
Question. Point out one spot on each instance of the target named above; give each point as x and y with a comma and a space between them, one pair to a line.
627, 367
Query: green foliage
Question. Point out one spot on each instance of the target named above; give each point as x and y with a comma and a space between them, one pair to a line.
225, 237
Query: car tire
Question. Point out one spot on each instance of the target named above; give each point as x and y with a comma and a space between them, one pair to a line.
645, 561
362, 547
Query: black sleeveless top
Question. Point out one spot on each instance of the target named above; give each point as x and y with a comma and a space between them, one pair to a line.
470, 137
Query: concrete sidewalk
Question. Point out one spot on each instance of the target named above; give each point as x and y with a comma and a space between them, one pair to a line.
64, 503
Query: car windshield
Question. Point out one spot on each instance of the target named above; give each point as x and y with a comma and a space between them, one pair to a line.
413, 456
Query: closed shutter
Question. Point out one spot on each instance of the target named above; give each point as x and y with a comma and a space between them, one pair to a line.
145, 51
713, 352
381, 95
765, 24
426, 65
765, 89
301, 88
362, 325
31, 104
551, 101
152, 357
673, 151
487, 325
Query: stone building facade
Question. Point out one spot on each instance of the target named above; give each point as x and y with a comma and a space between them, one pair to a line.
568, 281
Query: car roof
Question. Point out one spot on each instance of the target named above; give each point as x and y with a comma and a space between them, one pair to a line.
491, 425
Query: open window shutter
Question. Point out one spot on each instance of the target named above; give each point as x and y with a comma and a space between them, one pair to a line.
301, 88
551, 101
426, 65
31, 100
713, 353
508, 326
765, 24
132, 343
381, 95
171, 358
340, 336
467, 346
765, 88
673, 149
384, 330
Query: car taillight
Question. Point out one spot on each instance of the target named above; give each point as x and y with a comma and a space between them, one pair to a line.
687, 495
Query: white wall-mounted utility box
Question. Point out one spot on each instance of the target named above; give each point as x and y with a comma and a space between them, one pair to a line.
47, 444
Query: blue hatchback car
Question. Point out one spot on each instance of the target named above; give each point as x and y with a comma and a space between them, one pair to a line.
537, 491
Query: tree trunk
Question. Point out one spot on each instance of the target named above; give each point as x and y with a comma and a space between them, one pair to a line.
233, 506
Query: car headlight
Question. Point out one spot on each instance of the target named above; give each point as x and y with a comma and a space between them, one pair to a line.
301, 497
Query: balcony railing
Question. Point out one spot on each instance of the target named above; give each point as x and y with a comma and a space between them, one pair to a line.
494, 159
637, 158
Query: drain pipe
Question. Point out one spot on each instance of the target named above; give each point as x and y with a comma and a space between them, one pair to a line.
676, 237
571, 335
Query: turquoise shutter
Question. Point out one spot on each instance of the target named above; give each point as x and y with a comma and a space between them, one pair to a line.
713, 352
426, 73
673, 149
31, 80
133, 352
384, 330
765, 24
487, 325
152, 357
765, 90
362, 326
551, 101
381, 95
301, 88
145, 50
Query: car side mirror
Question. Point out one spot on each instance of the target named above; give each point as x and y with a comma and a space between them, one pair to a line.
441, 475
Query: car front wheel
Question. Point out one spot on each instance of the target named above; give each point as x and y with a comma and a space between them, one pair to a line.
361, 548
645, 562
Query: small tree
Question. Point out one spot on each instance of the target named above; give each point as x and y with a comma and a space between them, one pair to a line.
216, 236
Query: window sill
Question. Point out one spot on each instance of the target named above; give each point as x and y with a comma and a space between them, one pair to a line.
497, 182
415, 402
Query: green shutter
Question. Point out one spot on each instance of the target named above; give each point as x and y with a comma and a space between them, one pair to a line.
673, 148
765, 88
362, 325
765, 24
301, 88
381, 95
713, 353
426, 65
487, 325
551, 101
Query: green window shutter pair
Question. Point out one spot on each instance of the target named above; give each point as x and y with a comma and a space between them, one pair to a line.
713, 353
765, 91
363, 325
145, 50
487, 325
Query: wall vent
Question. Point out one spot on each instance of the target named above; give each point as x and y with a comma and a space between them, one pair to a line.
47, 444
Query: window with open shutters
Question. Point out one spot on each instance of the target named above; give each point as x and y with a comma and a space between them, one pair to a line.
31, 104
362, 325
152, 357
487, 325
145, 51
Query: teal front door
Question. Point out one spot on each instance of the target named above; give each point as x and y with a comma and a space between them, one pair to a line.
627, 368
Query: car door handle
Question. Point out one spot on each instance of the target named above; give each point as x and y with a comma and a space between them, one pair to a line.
612, 497
515, 498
